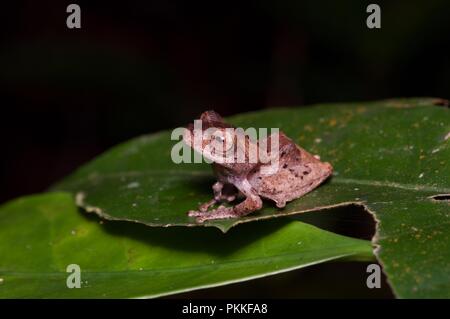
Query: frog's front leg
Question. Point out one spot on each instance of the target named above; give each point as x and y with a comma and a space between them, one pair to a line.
251, 203
219, 196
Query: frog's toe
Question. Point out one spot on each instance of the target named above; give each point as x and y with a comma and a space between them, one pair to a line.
280, 203
196, 213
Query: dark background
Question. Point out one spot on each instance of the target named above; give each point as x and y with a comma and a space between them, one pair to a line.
137, 67
141, 66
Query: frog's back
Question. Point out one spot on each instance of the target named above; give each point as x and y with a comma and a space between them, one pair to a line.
297, 173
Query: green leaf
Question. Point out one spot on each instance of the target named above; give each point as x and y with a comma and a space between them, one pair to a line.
41, 235
389, 156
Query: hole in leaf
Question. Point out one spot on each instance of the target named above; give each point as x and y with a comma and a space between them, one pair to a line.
444, 197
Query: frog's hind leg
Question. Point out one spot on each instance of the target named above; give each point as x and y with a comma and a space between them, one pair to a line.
222, 193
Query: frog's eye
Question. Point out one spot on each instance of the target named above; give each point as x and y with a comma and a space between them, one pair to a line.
222, 141
219, 138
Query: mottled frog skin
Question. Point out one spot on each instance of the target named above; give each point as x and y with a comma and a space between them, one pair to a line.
294, 173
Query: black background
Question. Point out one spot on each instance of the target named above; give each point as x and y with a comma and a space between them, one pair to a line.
140, 66
173, 308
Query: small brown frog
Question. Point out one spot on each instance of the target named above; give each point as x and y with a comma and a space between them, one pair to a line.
290, 173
